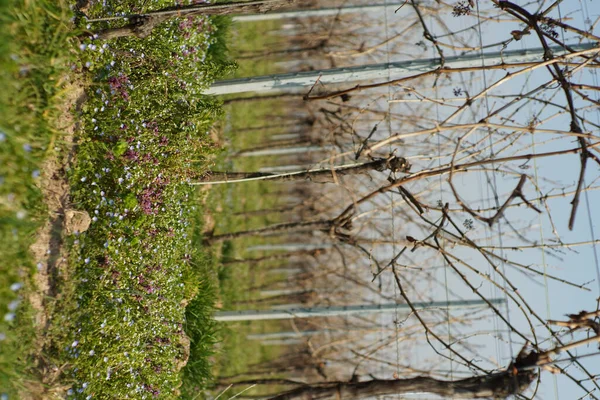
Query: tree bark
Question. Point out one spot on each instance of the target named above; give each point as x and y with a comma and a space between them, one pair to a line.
247, 99
290, 227
323, 175
498, 386
142, 25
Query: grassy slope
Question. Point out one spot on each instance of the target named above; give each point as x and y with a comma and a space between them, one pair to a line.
145, 126
117, 330
35, 53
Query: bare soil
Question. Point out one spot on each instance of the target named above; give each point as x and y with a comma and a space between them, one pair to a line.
48, 250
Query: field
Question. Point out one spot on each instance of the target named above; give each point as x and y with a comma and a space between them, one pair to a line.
37, 48
107, 288
239, 281
448, 190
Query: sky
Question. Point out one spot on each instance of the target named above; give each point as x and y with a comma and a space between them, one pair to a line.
550, 299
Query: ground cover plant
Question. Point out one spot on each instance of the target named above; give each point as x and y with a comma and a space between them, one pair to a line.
138, 288
145, 133
36, 39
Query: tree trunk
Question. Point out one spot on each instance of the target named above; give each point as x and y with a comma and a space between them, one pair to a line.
322, 175
497, 386
291, 227
247, 99
142, 25
272, 257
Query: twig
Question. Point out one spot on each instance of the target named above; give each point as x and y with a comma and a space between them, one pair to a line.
427, 34
583, 156
392, 262
428, 331
457, 168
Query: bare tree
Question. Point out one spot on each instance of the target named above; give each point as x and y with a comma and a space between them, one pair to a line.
498, 153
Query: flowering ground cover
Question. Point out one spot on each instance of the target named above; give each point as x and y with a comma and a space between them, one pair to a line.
132, 315
145, 134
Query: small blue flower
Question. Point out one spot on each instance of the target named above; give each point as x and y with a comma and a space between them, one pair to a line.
13, 305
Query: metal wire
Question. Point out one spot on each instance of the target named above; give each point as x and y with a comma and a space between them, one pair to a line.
494, 185
392, 197
594, 73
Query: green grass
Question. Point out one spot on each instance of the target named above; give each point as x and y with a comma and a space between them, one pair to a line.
256, 38
237, 354
121, 325
117, 326
35, 55
203, 331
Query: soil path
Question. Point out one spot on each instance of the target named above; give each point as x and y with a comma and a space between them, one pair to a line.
48, 250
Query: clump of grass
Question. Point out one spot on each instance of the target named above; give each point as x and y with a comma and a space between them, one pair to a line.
121, 325
35, 54
202, 330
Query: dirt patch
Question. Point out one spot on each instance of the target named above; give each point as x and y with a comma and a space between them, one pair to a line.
76, 221
48, 249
